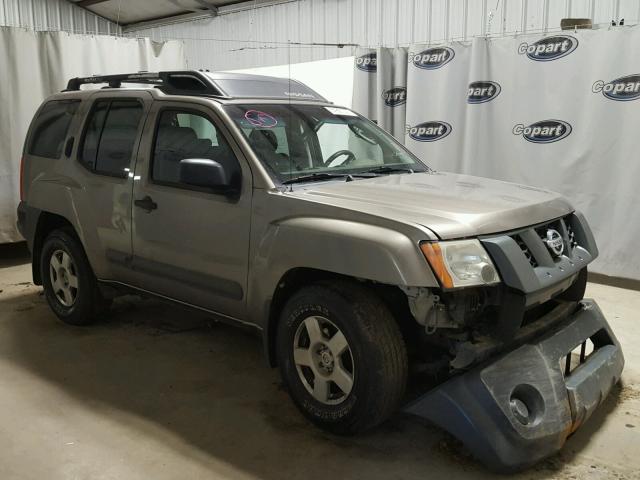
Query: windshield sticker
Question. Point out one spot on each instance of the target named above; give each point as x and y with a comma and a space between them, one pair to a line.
260, 119
341, 111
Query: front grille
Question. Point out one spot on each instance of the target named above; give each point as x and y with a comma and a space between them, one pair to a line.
526, 251
573, 243
533, 242
559, 226
537, 274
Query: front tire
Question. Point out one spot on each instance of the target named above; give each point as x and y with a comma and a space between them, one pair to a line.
341, 356
70, 286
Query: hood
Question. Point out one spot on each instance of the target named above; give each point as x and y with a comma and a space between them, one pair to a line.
449, 204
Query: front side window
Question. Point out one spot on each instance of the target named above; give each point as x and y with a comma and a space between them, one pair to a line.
51, 127
298, 141
110, 136
184, 135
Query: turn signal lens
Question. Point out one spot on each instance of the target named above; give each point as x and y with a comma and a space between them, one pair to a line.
460, 263
433, 252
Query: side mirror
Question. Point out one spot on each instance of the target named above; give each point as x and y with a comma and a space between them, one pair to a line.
206, 173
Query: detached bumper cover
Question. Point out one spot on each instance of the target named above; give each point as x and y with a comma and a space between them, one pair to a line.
520, 408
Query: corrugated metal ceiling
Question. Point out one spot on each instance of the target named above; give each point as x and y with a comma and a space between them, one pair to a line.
53, 15
135, 11
261, 37
244, 36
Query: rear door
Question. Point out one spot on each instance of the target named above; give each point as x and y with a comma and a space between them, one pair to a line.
190, 244
105, 156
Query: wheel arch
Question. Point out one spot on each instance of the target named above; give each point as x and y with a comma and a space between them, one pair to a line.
298, 278
47, 222
301, 250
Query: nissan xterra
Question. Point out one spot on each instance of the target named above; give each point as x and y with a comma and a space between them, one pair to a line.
257, 201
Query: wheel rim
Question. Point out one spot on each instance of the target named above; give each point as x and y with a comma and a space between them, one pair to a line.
323, 359
64, 277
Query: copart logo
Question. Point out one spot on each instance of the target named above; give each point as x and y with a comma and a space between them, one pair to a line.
367, 62
621, 89
432, 58
429, 131
549, 48
395, 96
545, 131
484, 91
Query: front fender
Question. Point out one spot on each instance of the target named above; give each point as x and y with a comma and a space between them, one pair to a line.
338, 246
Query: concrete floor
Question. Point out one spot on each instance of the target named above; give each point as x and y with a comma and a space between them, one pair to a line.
157, 393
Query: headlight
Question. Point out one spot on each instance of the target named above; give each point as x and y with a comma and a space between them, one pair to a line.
460, 263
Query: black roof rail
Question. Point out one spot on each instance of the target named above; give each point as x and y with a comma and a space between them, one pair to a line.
185, 82
114, 81
217, 84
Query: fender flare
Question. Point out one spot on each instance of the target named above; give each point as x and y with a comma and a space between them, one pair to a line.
330, 246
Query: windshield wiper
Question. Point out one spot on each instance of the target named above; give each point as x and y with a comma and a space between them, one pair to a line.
313, 177
386, 169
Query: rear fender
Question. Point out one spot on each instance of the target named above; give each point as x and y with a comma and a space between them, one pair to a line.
54, 194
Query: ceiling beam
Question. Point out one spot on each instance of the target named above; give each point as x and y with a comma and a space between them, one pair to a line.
88, 3
189, 17
212, 8
166, 20
203, 3
85, 3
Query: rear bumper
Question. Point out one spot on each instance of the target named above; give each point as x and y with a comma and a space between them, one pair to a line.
27, 222
477, 407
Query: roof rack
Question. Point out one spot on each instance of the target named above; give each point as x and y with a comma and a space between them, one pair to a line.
188, 82
216, 84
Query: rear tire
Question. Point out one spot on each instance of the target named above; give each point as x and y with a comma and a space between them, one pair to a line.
70, 286
341, 356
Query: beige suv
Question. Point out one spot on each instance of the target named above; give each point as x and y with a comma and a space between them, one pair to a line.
363, 270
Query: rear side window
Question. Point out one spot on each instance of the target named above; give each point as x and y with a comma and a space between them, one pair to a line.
51, 127
110, 135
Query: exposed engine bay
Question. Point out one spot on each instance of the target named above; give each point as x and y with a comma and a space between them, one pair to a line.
473, 324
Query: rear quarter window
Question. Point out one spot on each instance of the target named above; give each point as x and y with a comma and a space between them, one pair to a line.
50, 128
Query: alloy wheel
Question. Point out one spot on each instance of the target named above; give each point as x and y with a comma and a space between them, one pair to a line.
323, 359
64, 277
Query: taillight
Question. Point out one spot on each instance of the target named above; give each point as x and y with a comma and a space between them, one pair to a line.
22, 179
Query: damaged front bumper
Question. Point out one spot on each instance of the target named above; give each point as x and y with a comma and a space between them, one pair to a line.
520, 408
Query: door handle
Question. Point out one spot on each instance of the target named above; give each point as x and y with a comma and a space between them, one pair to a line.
147, 204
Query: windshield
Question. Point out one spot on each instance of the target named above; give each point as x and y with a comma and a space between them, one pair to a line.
308, 142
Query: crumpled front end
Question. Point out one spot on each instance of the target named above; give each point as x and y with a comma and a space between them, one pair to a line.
520, 408
547, 361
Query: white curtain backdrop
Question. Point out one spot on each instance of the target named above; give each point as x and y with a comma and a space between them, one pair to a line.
35, 65
560, 112
380, 87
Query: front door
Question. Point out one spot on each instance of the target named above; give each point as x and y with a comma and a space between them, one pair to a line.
190, 244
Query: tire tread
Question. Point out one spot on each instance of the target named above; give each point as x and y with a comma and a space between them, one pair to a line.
384, 332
